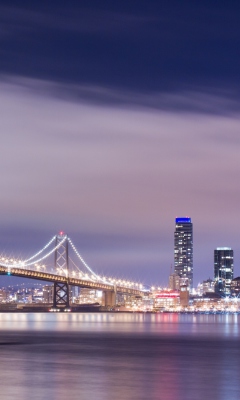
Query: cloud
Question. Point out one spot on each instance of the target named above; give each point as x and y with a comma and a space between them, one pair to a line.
168, 48
122, 170
19, 20
205, 100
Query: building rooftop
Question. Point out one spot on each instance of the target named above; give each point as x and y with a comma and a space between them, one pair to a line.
182, 220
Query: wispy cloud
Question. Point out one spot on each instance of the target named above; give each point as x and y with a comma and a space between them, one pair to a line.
203, 100
89, 166
15, 20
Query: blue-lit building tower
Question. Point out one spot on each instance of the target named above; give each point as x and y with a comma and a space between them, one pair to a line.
183, 249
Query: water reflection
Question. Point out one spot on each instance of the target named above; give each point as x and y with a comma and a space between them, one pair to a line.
160, 324
119, 356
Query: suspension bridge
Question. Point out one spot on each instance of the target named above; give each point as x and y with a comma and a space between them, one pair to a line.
60, 262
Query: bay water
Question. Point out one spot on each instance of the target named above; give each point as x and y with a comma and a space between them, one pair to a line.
119, 356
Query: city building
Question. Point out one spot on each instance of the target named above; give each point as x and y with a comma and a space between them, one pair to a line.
48, 294
166, 299
223, 269
74, 294
235, 286
89, 296
184, 295
3, 295
174, 281
183, 250
204, 287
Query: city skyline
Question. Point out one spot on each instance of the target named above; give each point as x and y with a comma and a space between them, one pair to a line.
115, 120
183, 259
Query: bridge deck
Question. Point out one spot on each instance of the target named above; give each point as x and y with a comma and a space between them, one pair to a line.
49, 277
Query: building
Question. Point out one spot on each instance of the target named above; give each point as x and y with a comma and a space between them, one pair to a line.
89, 296
3, 295
184, 295
183, 250
166, 299
74, 293
235, 286
223, 269
207, 286
48, 294
174, 281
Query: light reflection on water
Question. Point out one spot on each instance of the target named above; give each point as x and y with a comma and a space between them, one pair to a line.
119, 356
164, 323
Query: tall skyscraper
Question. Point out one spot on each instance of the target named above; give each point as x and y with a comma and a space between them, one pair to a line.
183, 249
223, 269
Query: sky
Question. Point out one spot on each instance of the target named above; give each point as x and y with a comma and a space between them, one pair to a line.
115, 118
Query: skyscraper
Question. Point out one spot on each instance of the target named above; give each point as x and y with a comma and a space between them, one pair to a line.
183, 249
223, 269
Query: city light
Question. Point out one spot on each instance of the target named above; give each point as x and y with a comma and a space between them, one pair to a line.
132, 295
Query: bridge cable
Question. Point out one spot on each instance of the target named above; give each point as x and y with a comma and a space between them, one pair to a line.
40, 251
82, 260
23, 265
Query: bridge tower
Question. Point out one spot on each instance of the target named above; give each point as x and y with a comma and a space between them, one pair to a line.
61, 290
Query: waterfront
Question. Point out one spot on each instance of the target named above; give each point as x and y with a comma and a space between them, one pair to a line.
120, 356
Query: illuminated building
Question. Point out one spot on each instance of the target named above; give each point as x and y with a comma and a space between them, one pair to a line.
48, 294
235, 286
174, 281
184, 295
223, 269
207, 286
166, 299
89, 296
183, 250
74, 293
3, 295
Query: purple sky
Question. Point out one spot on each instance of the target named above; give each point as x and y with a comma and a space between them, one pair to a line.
115, 177
115, 120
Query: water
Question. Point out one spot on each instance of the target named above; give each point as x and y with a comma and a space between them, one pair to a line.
119, 356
